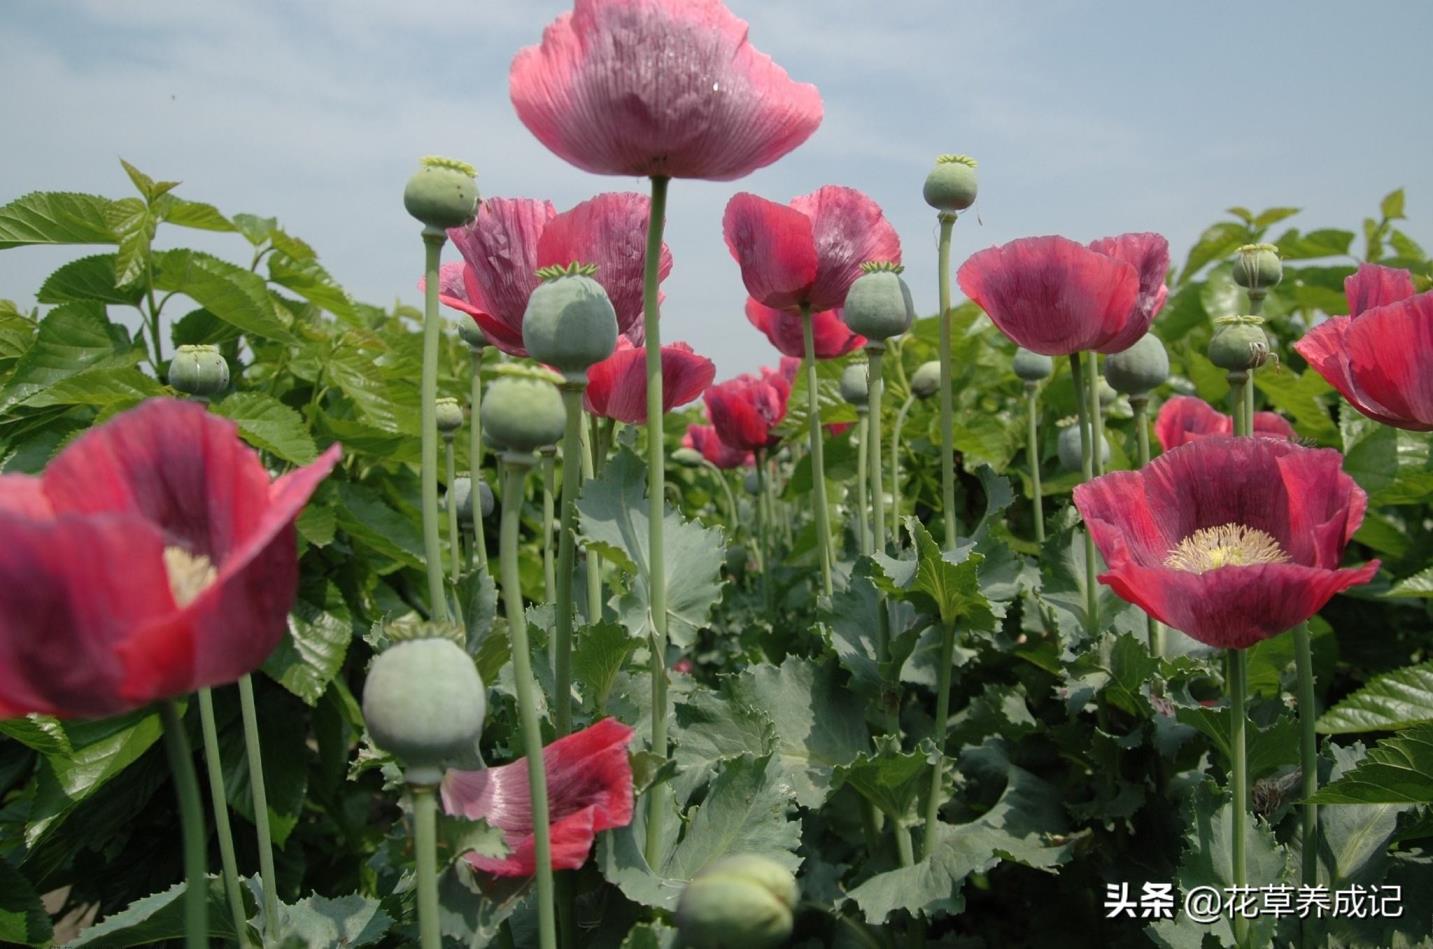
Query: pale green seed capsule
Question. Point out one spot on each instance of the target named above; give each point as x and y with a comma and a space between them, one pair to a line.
522, 414
199, 371
1068, 448
951, 185
925, 381
1240, 344
569, 324
1032, 367
443, 193
1258, 267
471, 333
424, 704
746, 901
1139, 369
879, 304
853, 384
449, 414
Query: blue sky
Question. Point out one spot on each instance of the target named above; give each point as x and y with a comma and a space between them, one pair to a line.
1088, 119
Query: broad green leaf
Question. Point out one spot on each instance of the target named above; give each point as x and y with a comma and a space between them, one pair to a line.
1398, 770
1299, 396
312, 651
1265, 749
890, 779
829, 404
369, 519
357, 368
56, 217
200, 327
472, 907
133, 225
231, 293
268, 424
352, 920
598, 656
1272, 216
1418, 585
945, 584
283, 734
71, 338
195, 214
103, 387
711, 728
656, 935
310, 281
88, 279
458, 835
160, 917
17, 332
256, 230
1130, 668
1217, 242
1354, 836
23, 920
1391, 207
1388, 702
41, 733
1326, 242
317, 523
1393, 466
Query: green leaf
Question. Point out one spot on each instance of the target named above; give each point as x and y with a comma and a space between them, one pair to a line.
710, 729
134, 227
1393, 466
369, 519
310, 281
472, 907
1325, 242
283, 735
256, 230
268, 424
231, 293
1300, 396
890, 779
598, 656
1418, 585
56, 217
200, 327
158, 918
1271, 216
89, 278
1398, 770
945, 584
1355, 836
38, 732
146, 185
102, 387
1391, 207
23, 920
312, 651
71, 338
829, 404
1388, 702
352, 920
458, 836
1217, 242
613, 516
1266, 749
195, 214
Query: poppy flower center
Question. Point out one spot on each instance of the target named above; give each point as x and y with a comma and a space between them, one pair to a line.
1228, 545
189, 574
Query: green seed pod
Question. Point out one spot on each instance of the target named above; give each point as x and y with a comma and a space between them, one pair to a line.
687, 457
486, 501
879, 304
925, 381
471, 333
1240, 344
1107, 395
569, 323
853, 384
750, 482
743, 900
199, 370
1032, 367
424, 704
460, 495
450, 415
1142, 367
951, 184
1068, 448
442, 194
1258, 267
523, 411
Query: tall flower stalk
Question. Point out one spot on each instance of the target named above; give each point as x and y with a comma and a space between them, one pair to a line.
473, 336
1082, 403
818, 452
222, 829
254, 751
874, 353
191, 818
548, 456
1032, 368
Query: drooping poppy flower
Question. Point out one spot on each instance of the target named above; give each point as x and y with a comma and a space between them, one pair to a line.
1056, 297
1185, 418
704, 439
830, 334
153, 556
1379, 358
589, 789
1231, 540
617, 386
746, 410
659, 88
808, 253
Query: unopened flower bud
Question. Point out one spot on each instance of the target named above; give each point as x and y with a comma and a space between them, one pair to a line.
569, 324
1240, 344
1032, 367
449, 414
925, 381
745, 900
199, 371
853, 384
1258, 267
1142, 367
443, 193
424, 704
471, 333
951, 184
879, 304
1070, 452
523, 411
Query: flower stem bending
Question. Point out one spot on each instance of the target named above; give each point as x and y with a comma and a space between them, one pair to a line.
947, 408
818, 456
191, 817
222, 829
475, 458
433, 238
1092, 593
566, 557
515, 467
425, 849
942, 717
261, 800
1140, 404
863, 451
874, 392
1032, 452
1238, 779
896, 464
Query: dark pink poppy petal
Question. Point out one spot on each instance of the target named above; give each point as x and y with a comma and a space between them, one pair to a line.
500, 249
830, 334
24, 495
453, 287
746, 410
849, 229
666, 88
617, 386
775, 248
1374, 286
704, 438
1272, 424
1184, 418
1389, 351
1148, 253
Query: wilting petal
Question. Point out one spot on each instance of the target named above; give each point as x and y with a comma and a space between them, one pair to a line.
1374, 286
704, 439
1149, 255
617, 386
849, 229
745, 410
775, 248
589, 789
829, 332
667, 88
500, 248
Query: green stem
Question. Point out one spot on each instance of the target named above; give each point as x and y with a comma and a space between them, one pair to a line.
475, 458
763, 526
656, 511
1238, 382
1308, 755
896, 464
590, 557
1248, 406
1032, 452
549, 488
875, 392
261, 801
1092, 596
1097, 416
433, 239
425, 849
221, 814
1140, 404
516, 466
1239, 779
942, 718
863, 449
191, 818
455, 546
818, 455
947, 408
733, 518
566, 556
904, 850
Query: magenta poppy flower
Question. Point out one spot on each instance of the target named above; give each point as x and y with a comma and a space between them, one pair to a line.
704, 438
457, 287
1379, 358
153, 556
500, 250
830, 334
808, 253
1185, 418
746, 410
659, 88
1231, 540
589, 790
617, 386
1056, 297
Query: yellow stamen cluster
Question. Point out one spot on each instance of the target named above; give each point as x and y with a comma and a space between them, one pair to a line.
189, 574
1228, 545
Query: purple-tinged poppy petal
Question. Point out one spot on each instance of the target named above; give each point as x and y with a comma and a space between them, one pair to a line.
849, 229
1148, 253
500, 249
617, 386
1374, 286
829, 333
775, 247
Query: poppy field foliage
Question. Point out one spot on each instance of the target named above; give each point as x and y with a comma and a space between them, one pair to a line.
504, 619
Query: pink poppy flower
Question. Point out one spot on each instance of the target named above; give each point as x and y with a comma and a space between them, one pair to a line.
1185, 418
153, 556
704, 438
500, 250
617, 386
1056, 297
830, 334
746, 410
456, 288
589, 790
808, 253
659, 88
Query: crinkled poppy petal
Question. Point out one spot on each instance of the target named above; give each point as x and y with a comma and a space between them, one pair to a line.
745, 410
1323, 348
25, 495
1325, 506
774, 246
1052, 295
1148, 253
1390, 358
1122, 515
668, 88
704, 438
1373, 286
849, 229
609, 231
1184, 418
453, 287
617, 386
500, 248
830, 335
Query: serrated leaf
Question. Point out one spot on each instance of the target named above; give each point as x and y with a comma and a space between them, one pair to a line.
231, 293
312, 651
268, 424
146, 185
158, 918
56, 217
369, 519
891, 779
310, 281
1393, 466
1271, 216
40, 733
195, 214
598, 656
1398, 770
352, 920
946, 584
1354, 836
472, 907
134, 227
102, 387
1391, 207
458, 836
1390, 701
23, 920
1419, 585
1266, 749
70, 339
710, 729
1300, 397
1215, 243
88, 278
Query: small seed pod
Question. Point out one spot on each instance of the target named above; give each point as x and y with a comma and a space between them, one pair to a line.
1032, 367
879, 304
1258, 267
1142, 367
569, 323
424, 704
1068, 448
951, 184
687, 457
744, 900
199, 371
853, 384
450, 415
471, 333
486, 501
1107, 394
460, 496
751, 483
925, 381
443, 193
523, 411
1240, 344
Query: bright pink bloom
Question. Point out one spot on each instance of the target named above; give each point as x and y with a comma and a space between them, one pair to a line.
837, 429
830, 334
500, 249
659, 88
1280, 512
808, 253
617, 386
589, 789
454, 288
704, 438
1056, 297
152, 557
1185, 418
1381, 357
746, 410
